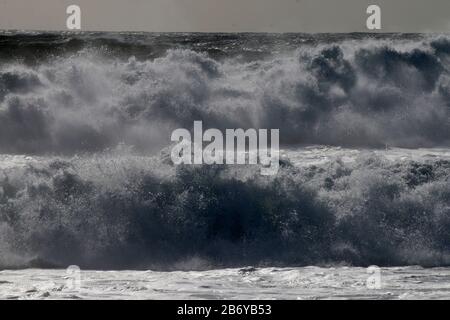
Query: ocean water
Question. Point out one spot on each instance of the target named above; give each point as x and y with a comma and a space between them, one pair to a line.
86, 178
306, 283
327, 205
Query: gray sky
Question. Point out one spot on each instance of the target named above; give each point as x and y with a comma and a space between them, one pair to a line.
228, 15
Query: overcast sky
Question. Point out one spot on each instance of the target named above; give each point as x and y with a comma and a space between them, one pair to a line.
228, 15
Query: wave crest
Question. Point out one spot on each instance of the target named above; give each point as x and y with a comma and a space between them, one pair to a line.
369, 92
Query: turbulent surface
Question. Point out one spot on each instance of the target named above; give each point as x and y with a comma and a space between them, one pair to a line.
250, 283
90, 113
68, 93
326, 205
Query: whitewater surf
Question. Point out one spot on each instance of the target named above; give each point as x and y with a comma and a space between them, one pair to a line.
86, 176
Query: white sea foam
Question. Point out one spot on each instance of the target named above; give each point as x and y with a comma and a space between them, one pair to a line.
267, 283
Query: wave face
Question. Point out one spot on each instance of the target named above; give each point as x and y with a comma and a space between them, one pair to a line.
66, 93
122, 211
92, 112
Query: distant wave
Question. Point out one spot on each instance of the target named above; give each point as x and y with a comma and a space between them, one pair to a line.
65, 93
123, 211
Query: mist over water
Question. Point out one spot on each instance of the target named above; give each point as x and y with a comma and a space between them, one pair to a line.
93, 114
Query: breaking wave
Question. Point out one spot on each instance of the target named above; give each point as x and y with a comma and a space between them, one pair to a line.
62, 93
91, 111
127, 211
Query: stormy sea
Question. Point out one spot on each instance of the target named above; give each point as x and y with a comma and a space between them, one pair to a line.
86, 177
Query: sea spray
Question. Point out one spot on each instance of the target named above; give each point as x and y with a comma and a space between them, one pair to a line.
90, 92
123, 211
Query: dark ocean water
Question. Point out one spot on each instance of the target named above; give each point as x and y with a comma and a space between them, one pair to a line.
91, 112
